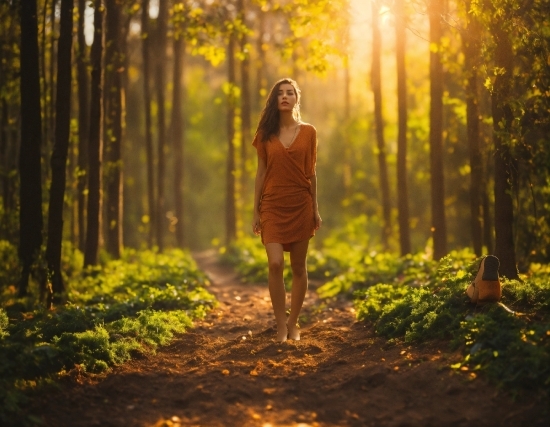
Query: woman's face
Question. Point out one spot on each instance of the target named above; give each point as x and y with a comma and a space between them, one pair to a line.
286, 98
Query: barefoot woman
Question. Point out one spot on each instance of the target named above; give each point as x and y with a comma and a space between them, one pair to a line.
285, 198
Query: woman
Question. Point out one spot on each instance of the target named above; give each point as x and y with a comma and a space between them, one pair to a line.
285, 198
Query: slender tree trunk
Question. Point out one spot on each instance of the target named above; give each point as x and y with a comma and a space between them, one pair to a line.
470, 39
161, 122
178, 142
376, 83
347, 169
230, 214
113, 146
439, 227
246, 120
95, 153
146, 50
83, 123
60, 148
30, 188
50, 105
402, 182
504, 167
261, 78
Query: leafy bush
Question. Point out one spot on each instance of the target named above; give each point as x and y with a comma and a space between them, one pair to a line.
510, 341
131, 305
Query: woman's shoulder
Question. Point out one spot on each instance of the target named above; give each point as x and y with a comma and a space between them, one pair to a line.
308, 126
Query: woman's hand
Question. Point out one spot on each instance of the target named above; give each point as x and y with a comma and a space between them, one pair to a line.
256, 227
318, 220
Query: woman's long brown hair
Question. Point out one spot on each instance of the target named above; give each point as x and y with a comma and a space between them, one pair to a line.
269, 117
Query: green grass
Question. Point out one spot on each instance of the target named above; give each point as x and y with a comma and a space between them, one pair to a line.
115, 311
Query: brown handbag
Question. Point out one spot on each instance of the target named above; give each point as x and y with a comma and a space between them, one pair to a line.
486, 286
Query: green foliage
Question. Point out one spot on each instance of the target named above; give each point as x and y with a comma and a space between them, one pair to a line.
126, 306
511, 345
9, 272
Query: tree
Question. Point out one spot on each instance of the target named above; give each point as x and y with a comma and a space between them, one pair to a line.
402, 181
471, 39
83, 123
230, 213
246, 107
60, 148
376, 84
95, 153
30, 188
114, 58
145, 52
504, 163
439, 227
160, 59
178, 140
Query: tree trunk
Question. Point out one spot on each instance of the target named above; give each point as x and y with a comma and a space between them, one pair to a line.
230, 214
470, 40
504, 169
30, 188
83, 124
113, 146
246, 121
60, 148
379, 124
178, 139
261, 80
402, 182
161, 121
145, 45
95, 153
439, 227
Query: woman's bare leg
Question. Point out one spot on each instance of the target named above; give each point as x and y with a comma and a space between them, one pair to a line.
298, 256
276, 284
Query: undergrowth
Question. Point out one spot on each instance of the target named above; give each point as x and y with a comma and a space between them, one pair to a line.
509, 341
115, 311
414, 299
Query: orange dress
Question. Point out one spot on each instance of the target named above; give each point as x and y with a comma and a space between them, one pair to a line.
286, 204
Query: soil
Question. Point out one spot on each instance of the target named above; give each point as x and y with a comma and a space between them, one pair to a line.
229, 371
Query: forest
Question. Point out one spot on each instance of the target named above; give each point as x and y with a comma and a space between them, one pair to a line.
126, 131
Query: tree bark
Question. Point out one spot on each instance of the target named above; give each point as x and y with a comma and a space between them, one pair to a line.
60, 148
146, 50
230, 211
376, 84
83, 123
470, 42
246, 121
30, 188
402, 182
439, 227
95, 153
178, 125
261, 78
113, 146
504, 163
161, 121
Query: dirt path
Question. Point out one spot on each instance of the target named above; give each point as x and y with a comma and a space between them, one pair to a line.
228, 371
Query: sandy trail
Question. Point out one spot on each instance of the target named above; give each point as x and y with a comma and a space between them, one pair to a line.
229, 371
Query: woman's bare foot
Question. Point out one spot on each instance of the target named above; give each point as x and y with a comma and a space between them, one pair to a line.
294, 332
282, 333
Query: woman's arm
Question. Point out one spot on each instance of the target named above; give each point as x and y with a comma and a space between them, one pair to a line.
318, 220
258, 187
